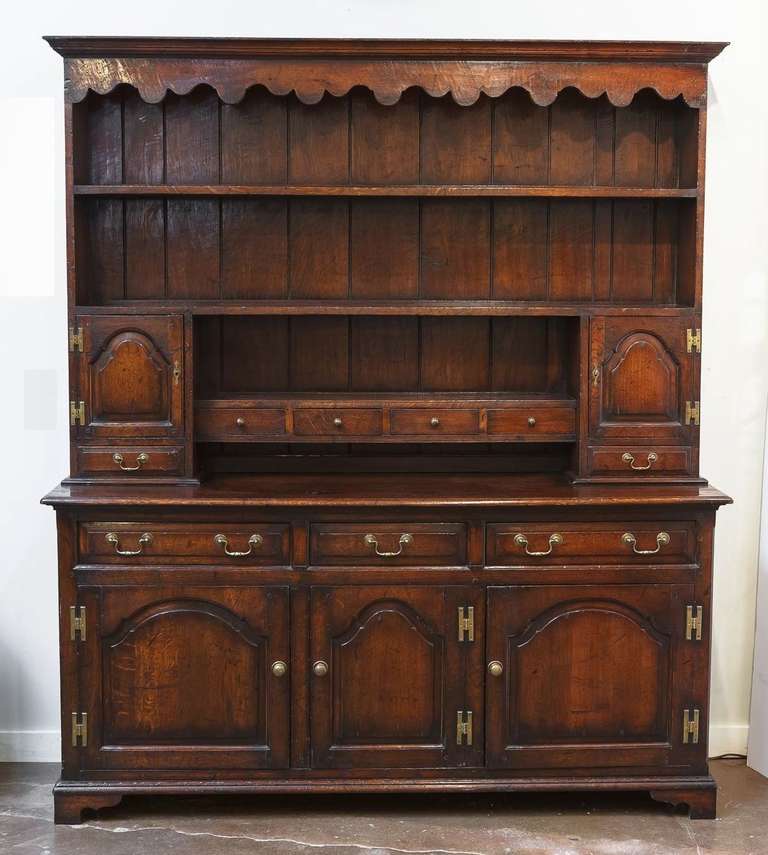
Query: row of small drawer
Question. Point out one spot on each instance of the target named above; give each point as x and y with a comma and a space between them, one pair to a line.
233, 423
391, 544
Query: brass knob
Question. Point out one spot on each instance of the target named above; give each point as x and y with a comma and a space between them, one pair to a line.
320, 668
495, 668
338, 422
531, 422
279, 668
434, 421
240, 421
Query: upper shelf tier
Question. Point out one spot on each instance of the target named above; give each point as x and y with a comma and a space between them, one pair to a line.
310, 68
402, 190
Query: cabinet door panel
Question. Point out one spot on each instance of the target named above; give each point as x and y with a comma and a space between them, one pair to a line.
642, 378
396, 677
593, 676
130, 375
180, 677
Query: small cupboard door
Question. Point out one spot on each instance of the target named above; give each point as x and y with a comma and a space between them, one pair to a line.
181, 677
392, 684
591, 676
641, 378
130, 376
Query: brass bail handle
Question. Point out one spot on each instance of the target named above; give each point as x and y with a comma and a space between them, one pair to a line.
555, 539
253, 540
405, 539
144, 540
141, 459
628, 458
662, 539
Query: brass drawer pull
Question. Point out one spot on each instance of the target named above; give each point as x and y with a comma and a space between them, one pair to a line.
141, 459
320, 668
279, 668
628, 458
434, 421
554, 540
405, 539
495, 668
337, 422
143, 541
662, 539
253, 540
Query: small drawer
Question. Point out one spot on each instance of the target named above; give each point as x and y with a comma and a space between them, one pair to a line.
205, 543
662, 542
533, 422
423, 422
638, 461
389, 544
129, 461
238, 423
336, 422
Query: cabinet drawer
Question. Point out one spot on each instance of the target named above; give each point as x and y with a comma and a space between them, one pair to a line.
434, 422
339, 422
534, 422
204, 543
398, 544
638, 461
129, 461
239, 423
662, 542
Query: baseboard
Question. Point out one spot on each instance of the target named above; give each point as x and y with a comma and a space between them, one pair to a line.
728, 739
30, 746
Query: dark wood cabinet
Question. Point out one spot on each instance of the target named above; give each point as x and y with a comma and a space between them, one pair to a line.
385, 361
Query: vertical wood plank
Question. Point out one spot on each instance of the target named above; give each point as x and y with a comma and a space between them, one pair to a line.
520, 140
667, 161
193, 249
103, 151
102, 259
144, 249
384, 140
208, 357
319, 248
384, 354
632, 251
603, 254
520, 233
635, 158
384, 248
571, 250
254, 355
253, 139
572, 139
455, 354
455, 249
192, 137
254, 247
519, 355
665, 251
143, 141
455, 142
319, 354
319, 141
605, 129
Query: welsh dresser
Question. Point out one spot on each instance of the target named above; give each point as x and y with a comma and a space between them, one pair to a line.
384, 376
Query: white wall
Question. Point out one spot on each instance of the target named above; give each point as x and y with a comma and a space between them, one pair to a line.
33, 431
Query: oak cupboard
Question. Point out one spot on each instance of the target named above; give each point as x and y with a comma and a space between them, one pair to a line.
384, 403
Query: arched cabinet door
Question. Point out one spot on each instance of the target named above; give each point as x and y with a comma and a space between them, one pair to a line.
180, 676
130, 376
640, 378
395, 677
593, 676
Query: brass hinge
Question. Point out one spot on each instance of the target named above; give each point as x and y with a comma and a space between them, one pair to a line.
76, 622
463, 727
76, 339
690, 726
693, 340
467, 624
693, 623
79, 730
692, 412
77, 412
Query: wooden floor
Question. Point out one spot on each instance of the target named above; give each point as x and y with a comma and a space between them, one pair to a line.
520, 824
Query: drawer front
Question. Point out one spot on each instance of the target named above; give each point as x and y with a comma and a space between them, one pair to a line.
182, 543
639, 461
662, 542
129, 461
239, 423
337, 422
434, 422
533, 423
389, 544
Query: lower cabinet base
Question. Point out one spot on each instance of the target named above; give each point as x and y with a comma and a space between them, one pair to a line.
71, 798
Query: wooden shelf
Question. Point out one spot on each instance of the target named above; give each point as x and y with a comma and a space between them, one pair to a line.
408, 190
